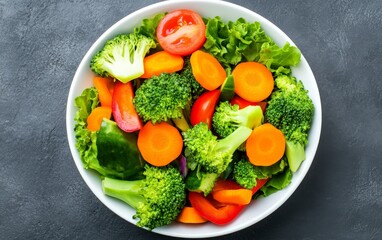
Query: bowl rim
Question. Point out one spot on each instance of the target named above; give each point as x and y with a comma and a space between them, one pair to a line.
160, 5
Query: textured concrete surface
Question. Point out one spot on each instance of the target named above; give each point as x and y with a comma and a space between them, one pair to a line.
42, 195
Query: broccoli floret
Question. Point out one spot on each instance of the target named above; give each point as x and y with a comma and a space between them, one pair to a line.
122, 57
201, 181
291, 110
157, 199
227, 118
228, 172
196, 88
163, 98
246, 174
204, 152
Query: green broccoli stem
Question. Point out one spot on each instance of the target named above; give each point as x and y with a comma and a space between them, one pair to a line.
295, 153
198, 181
127, 191
187, 112
251, 116
234, 140
181, 123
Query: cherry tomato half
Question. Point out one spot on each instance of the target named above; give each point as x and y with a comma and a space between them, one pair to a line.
204, 107
244, 103
181, 32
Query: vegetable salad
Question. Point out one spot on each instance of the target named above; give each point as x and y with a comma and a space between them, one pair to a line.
190, 118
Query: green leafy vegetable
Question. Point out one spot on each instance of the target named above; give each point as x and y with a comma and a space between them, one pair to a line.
118, 151
232, 42
86, 141
149, 26
277, 182
274, 57
239, 41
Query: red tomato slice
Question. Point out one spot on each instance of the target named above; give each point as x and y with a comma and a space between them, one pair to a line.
204, 107
244, 103
181, 32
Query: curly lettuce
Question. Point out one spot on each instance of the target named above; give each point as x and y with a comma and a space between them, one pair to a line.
276, 182
86, 140
149, 26
235, 42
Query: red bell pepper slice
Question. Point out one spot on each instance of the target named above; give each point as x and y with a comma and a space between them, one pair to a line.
207, 210
244, 103
123, 109
204, 107
222, 184
225, 213
260, 184
230, 184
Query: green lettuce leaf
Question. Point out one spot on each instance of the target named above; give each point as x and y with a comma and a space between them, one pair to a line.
277, 182
149, 26
86, 140
266, 172
85, 103
274, 57
235, 42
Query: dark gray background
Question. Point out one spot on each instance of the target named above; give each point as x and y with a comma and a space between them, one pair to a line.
42, 195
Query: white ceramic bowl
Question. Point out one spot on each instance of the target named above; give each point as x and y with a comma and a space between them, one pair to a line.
258, 209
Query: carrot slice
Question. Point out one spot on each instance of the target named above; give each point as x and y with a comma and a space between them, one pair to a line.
207, 70
161, 62
253, 81
190, 215
266, 145
159, 144
233, 196
104, 87
94, 119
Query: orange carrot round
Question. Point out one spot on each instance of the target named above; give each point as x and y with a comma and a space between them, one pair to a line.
265, 146
161, 62
253, 81
94, 119
190, 215
233, 196
207, 70
104, 87
159, 143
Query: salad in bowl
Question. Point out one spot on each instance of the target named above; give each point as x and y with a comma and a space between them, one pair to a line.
191, 122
